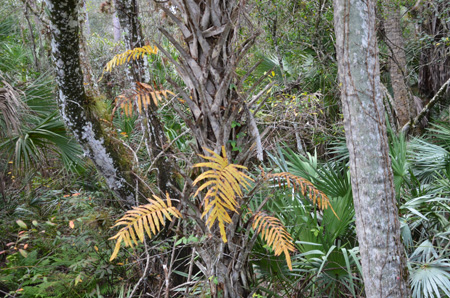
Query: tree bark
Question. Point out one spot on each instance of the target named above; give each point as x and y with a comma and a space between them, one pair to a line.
397, 62
108, 154
127, 12
207, 64
377, 225
116, 25
88, 74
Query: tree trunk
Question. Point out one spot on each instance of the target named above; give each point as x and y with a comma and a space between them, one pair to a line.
434, 68
377, 225
88, 74
207, 65
397, 62
116, 25
219, 116
127, 12
108, 154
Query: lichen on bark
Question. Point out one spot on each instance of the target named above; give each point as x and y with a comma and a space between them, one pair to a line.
106, 153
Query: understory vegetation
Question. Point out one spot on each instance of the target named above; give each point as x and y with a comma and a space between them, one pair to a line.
279, 210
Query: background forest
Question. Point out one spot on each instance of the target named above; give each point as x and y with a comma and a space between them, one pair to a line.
246, 193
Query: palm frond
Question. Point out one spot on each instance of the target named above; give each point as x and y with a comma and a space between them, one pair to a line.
140, 98
47, 133
305, 187
11, 107
224, 182
429, 274
128, 55
427, 159
275, 235
148, 218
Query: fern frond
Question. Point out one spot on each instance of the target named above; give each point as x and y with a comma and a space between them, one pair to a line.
141, 98
126, 56
274, 233
148, 218
224, 182
305, 187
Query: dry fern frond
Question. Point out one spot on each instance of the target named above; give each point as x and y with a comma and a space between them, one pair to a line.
305, 187
148, 218
126, 56
224, 181
141, 98
275, 234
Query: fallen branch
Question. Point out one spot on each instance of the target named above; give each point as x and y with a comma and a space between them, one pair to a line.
436, 98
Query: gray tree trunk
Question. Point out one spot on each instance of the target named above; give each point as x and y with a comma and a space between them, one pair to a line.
86, 67
116, 25
377, 225
127, 12
109, 155
153, 129
397, 62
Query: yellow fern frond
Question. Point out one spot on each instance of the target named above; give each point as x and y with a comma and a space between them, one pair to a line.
224, 182
140, 98
305, 187
126, 56
274, 233
148, 218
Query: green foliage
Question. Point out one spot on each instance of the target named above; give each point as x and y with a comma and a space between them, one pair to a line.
59, 248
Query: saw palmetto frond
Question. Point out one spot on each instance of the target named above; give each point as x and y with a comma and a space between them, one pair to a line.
305, 187
128, 55
274, 233
140, 98
148, 218
225, 182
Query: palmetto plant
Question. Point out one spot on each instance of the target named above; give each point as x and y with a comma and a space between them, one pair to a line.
327, 260
225, 196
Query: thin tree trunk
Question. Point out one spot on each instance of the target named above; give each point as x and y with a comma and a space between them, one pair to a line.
87, 24
107, 153
116, 25
88, 74
33, 42
127, 12
397, 62
377, 225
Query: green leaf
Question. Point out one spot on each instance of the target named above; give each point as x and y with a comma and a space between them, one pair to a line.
21, 224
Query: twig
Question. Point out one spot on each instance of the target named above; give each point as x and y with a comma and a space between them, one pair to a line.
438, 96
191, 267
145, 271
166, 148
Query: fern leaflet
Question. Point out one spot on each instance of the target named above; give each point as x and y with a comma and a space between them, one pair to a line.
126, 56
148, 218
224, 181
275, 234
141, 97
305, 187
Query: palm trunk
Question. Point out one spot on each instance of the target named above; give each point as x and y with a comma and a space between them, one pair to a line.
207, 65
377, 225
107, 153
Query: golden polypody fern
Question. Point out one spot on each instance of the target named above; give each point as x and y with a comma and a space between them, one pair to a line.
126, 56
275, 234
148, 218
142, 97
224, 181
305, 187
